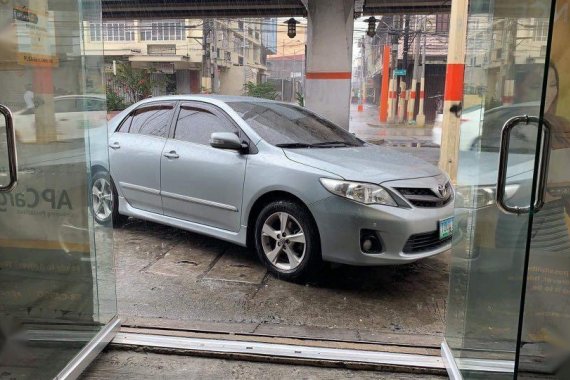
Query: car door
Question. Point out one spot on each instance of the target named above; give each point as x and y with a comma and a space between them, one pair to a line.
200, 183
135, 152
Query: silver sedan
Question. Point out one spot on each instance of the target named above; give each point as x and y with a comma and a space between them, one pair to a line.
274, 177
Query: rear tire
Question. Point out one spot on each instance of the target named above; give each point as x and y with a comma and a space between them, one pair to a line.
287, 241
105, 201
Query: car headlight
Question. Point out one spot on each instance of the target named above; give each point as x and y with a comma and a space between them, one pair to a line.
366, 193
481, 196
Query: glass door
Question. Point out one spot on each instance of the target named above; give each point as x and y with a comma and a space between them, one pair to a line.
500, 176
544, 344
57, 286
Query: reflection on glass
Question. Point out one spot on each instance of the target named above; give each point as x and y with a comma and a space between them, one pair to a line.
56, 265
545, 341
504, 77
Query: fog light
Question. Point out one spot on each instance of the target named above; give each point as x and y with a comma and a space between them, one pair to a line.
369, 242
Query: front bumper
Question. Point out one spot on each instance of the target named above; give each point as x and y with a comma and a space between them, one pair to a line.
340, 222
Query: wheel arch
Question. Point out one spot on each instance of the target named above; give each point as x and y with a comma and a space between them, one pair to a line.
96, 168
265, 199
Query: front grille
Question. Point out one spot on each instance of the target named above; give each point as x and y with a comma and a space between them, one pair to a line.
423, 197
425, 242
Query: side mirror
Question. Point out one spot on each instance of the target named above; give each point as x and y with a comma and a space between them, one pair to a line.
227, 140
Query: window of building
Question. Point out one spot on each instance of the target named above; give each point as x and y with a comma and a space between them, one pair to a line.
240, 25
197, 125
256, 54
540, 31
112, 31
442, 23
162, 30
95, 31
238, 45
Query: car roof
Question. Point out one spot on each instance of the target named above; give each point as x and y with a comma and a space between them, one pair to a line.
211, 98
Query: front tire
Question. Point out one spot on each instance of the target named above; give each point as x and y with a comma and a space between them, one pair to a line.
287, 241
105, 201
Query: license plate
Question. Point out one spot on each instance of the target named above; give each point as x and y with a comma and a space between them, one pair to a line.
445, 228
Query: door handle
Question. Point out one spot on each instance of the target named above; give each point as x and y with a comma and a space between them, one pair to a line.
115, 145
171, 155
543, 165
11, 144
503, 164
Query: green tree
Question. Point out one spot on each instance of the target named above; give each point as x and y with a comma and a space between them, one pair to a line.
114, 101
261, 90
137, 83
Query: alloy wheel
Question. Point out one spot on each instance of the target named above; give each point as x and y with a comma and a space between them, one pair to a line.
283, 241
102, 199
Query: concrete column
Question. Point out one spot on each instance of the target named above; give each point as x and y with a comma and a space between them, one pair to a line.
453, 95
329, 59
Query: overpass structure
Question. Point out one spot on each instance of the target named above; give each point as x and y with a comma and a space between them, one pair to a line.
257, 8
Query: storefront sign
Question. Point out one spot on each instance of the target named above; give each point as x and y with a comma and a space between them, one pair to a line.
36, 37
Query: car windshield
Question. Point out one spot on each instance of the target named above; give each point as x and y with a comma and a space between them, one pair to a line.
290, 126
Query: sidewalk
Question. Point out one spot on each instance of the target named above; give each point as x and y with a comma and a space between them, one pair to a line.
367, 126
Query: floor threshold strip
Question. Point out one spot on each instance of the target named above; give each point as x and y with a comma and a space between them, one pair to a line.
221, 346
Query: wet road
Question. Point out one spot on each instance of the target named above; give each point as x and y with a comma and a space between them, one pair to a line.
173, 278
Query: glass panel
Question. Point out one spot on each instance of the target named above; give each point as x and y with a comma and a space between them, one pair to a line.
503, 79
57, 286
545, 346
4, 159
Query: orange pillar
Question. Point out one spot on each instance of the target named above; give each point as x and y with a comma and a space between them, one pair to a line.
449, 152
385, 85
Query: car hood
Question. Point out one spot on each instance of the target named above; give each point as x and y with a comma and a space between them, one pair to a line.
368, 163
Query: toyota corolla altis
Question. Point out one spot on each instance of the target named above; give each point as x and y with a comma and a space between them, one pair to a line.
275, 177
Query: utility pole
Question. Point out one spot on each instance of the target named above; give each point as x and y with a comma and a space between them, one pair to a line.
362, 77
421, 118
214, 55
283, 73
403, 89
384, 96
244, 54
414, 87
453, 95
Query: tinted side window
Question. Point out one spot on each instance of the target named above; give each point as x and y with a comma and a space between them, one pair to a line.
126, 124
65, 105
197, 125
90, 104
152, 120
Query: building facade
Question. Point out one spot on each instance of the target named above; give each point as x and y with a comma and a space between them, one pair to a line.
184, 56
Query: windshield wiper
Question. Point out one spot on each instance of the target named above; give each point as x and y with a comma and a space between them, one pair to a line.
294, 145
327, 144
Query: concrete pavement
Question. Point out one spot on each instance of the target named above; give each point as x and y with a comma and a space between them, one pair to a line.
171, 278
